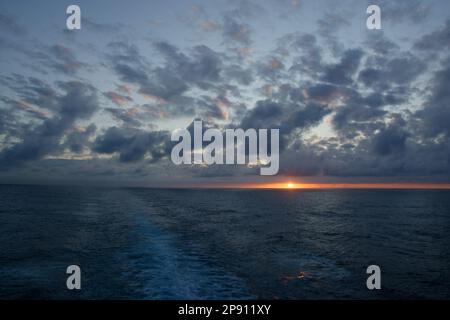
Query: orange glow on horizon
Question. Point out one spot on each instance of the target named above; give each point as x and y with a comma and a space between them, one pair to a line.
300, 185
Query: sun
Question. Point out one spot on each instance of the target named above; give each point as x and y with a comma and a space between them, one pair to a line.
285, 185
291, 185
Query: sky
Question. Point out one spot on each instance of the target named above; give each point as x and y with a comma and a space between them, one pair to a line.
98, 105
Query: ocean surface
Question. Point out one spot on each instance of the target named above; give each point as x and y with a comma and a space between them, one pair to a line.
223, 244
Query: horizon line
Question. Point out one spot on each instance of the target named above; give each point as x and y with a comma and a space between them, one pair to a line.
266, 186
318, 186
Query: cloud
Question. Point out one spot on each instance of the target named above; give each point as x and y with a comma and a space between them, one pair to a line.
133, 144
436, 41
390, 140
9, 25
331, 23
117, 98
287, 116
380, 43
208, 25
398, 70
436, 111
56, 58
78, 139
413, 11
201, 68
127, 62
324, 93
242, 76
271, 70
77, 102
342, 72
215, 108
129, 117
103, 28
236, 32
363, 103
63, 60
167, 86
266, 114
307, 53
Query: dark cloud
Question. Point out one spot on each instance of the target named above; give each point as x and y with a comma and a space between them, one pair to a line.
266, 114
104, 28
117, 98
10, 125
436, 111
354, 119
32, 90
311, 163
77, 102
380, 44
271, 69
242, 76
305, 117
403, 10
437, 40
78, 139
57, 58
10, 45
127, 62
64, 60
133, 144
247, 9
126, 116
329, 27
382, 73
215, 108
320, 93
331, 23
342, 72
390, 140
201, 68
306, 52
9, 25
235, 32
167, 85
287, 116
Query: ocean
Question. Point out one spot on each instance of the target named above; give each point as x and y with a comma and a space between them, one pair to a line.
137, 243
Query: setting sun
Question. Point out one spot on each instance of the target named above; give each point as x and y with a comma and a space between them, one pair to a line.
282, 185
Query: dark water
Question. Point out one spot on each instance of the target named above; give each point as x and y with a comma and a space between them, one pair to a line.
214, 244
